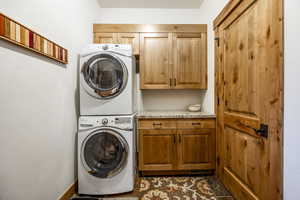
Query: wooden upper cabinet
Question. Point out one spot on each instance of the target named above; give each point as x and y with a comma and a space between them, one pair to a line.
155, 57
119, 38
105, 38
190, 63
130, 38
173, 61
172, 56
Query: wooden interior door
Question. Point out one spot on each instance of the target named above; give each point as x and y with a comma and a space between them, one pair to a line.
157, 149
249, 108
196, 149
105, 38
155, 60
190, 62
130, 38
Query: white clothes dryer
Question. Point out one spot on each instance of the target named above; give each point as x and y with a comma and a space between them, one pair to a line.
107, 80
106, 155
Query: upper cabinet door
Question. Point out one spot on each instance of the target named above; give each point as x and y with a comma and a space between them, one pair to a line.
105, 38
190, 62
130, 38
155, 57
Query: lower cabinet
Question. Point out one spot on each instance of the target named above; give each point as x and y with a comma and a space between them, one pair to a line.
157, 149
195, 149
172, 147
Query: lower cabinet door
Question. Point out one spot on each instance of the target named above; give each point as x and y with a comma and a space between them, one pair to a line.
157, 150
196, 149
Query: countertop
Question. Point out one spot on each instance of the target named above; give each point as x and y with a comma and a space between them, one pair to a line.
173, 114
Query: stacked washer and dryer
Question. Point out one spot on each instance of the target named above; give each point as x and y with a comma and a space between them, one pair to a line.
106, 128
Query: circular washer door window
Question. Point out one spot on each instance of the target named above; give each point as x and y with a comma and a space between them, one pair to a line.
104, 153
105, 76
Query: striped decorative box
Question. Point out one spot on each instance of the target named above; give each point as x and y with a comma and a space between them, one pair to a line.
18, 34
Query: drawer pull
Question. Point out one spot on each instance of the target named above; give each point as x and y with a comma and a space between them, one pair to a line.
196, 124
157, 124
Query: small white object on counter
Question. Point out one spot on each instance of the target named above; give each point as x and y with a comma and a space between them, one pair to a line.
194, 108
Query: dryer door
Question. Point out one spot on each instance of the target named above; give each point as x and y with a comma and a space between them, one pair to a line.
104, 153
104, 76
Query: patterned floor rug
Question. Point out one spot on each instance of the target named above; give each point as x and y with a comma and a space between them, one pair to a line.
175, 188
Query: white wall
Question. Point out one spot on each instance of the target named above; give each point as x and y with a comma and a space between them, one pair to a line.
38, 100
291, 101
167, 100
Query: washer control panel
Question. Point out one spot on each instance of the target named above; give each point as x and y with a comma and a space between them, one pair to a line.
121, 122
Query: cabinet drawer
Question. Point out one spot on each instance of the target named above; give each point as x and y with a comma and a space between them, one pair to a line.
196, 123
157, 124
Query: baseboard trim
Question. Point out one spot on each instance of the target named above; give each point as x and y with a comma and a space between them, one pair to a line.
69, 192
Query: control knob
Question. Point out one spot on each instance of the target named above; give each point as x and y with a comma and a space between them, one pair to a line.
105, 121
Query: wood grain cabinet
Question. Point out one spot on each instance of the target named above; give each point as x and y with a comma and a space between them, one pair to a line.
195, 149
171, 56
176, 145
161, 155
119, 38
173, 61
190, 68
155, 60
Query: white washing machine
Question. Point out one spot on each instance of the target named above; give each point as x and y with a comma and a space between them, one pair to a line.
106, 154
107, 80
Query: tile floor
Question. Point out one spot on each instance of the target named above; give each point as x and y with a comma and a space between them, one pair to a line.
176, 188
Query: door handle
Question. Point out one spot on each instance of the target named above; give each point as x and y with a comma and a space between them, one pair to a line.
263, 131
157, 124
196, 124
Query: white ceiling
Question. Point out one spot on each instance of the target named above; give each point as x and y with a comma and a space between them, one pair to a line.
150, 3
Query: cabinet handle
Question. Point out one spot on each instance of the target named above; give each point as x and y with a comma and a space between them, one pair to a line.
174, 139
179, 138
196, 124
157, 124
175, 82
170, 82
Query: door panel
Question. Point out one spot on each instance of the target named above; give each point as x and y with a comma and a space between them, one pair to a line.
156, 149
130, 38
155, 57
196, 149
190, 60
105, 38
249, 92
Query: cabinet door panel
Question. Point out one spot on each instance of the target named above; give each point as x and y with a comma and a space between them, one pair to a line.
190, 61
156, 149
130, 38
196, 149
155, 66
105, 38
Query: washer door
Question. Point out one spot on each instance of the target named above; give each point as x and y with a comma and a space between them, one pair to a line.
104, 76
104, 153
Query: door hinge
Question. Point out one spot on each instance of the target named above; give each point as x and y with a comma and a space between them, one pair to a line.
263, 131
217, 39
